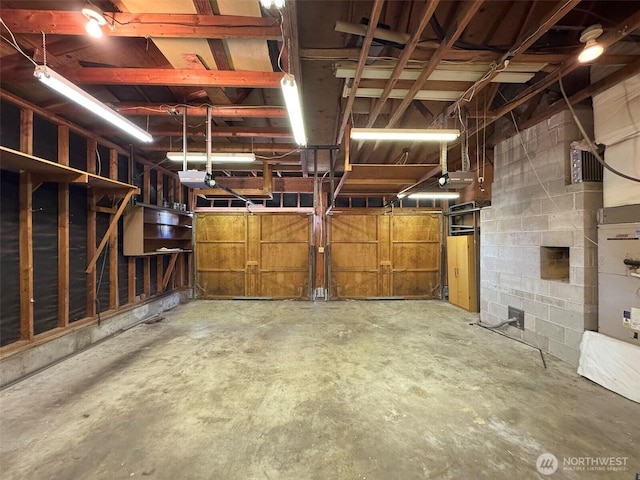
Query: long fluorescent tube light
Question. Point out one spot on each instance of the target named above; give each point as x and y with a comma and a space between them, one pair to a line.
415, 135
435, 195
201, 157
292, 101
63, 86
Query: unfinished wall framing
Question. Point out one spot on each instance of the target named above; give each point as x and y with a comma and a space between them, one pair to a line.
63, 193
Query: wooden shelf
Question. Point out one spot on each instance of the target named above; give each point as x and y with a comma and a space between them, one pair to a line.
149, 228
48, 171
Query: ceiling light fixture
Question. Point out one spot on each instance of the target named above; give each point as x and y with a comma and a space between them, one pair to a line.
269, 3
292, 101
415, 135
201, 157
95, 20
57, 82
435, 195
592, 49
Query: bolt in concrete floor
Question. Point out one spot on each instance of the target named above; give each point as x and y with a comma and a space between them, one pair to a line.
294, 390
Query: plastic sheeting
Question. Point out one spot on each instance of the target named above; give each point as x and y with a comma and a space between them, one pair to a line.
9, 258
611, 363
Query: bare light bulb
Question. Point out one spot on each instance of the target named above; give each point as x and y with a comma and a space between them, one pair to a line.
93, 28
592, 50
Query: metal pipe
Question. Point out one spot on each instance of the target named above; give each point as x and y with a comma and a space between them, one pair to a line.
184, 139
332, 176
209, 139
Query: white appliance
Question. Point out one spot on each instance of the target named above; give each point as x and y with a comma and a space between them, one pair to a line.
619, 273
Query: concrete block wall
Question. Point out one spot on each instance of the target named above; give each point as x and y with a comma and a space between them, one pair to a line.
535, 205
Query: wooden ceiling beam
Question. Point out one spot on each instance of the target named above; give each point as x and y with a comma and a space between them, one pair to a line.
427, 12
160, 146
468, 10
62, 22
366, 45
524, 42
201, 111
614, 35
270, 132
170, 77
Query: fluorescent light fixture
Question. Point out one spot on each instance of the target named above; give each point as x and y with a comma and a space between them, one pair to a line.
95, 21
592, 49
201, 157
63, 86
435, 195
292, 101
414, 135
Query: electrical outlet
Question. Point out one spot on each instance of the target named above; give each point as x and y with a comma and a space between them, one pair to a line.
518, 315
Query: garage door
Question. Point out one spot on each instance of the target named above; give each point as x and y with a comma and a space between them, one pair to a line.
245, 255
384, 254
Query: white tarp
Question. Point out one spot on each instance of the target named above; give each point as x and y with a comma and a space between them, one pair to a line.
612, 363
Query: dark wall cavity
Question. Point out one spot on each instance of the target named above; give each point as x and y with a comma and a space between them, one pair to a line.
9, 255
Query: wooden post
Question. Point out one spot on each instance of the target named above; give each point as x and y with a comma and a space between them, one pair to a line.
146, 187
63, 231
26, 131
26, 257
159, 258
92, 145
113, 241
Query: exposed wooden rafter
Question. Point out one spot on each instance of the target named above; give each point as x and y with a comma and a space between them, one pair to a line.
62, 22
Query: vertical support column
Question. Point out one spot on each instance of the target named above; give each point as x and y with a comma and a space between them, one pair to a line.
131, 261
26, 257
92, 146
113, 241
252, 249
63, 231
26, 131
385, 277
146, 196
159, 258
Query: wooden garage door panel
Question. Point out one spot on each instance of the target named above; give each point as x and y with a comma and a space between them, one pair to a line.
285, 228
424, 228
220, 227
355, 284
416, 284
221, 256
220, 284
284, 256
354, 256
284, 284
354, 228
416, 256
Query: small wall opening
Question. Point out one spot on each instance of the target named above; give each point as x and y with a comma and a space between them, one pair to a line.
554, 263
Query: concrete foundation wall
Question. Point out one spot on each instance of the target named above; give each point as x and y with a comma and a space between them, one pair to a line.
533, 206
26, 362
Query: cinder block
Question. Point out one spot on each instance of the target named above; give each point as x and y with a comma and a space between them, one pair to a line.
558, 238
529, 207
564, 352
533, 307
537, 340
570, 293
566, 318
486, 213
552, 302
510, 225
567, 220
510, 300
550, 330
500, 311
559, 203
535, 223
572, 338
536, 285
529, 321
522, 294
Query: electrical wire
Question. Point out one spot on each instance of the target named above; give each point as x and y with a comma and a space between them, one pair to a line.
278, 156
14, 43
592, 147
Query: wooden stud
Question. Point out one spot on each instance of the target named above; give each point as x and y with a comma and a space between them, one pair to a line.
113, 241
146, 196
92, 145
26, 257
170, 267
26, 131
159, 258
63, 232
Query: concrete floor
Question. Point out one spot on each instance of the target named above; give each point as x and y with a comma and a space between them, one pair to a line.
294, 390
